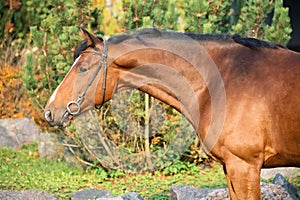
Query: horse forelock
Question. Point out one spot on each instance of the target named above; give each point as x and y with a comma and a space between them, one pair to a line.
80, 48
83, 46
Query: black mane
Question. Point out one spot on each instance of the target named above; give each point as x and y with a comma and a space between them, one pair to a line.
254, 43
251, 43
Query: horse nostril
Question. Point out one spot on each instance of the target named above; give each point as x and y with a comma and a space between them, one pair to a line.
48, 116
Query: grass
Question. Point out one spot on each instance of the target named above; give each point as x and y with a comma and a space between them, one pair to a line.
23, 170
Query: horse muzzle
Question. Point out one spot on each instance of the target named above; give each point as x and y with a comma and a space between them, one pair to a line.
64, 121
48, 116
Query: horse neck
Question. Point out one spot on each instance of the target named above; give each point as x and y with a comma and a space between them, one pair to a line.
171, 78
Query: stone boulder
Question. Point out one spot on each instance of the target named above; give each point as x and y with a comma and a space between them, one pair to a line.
103, 195
91, 194
27, 195
15, 132
290, 188
50, 147
281, 189
189, 192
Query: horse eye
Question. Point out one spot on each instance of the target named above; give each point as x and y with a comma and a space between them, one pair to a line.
82, 69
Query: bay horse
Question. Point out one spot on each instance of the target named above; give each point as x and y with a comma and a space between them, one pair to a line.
245, 90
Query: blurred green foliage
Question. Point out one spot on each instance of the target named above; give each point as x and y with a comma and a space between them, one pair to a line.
207, 16
55, 37
139, 13
265, 19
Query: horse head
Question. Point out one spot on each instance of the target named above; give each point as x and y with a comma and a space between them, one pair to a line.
84, 86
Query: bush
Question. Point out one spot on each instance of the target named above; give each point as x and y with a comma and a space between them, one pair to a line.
163, 14
263, 19
13, 99
55, 37
207, 16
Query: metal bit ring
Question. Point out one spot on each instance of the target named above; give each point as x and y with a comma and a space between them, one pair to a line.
69, 109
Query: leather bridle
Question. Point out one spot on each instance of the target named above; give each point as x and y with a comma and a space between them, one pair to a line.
80, 99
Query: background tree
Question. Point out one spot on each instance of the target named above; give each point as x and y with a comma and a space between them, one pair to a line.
55, 37
279, 30
265, 19
138, 13
207, 16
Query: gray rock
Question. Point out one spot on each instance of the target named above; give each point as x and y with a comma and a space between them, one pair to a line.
192, 193
128, 196
50, 147
217, 194
110, 198
281, 190
274, 192
103, 195
26, 195
91, 194
131, 196
7, 140
289, 188
15, 132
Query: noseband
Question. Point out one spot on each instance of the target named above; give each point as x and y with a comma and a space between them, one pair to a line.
80, 98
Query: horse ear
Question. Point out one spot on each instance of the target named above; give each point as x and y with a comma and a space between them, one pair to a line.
91, 39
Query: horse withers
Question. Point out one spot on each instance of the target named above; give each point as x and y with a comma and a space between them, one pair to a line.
240, 94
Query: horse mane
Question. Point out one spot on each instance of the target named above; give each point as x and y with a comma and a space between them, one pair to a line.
251, 43
254, 43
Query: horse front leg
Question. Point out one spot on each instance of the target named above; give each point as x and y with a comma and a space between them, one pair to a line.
243, 180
